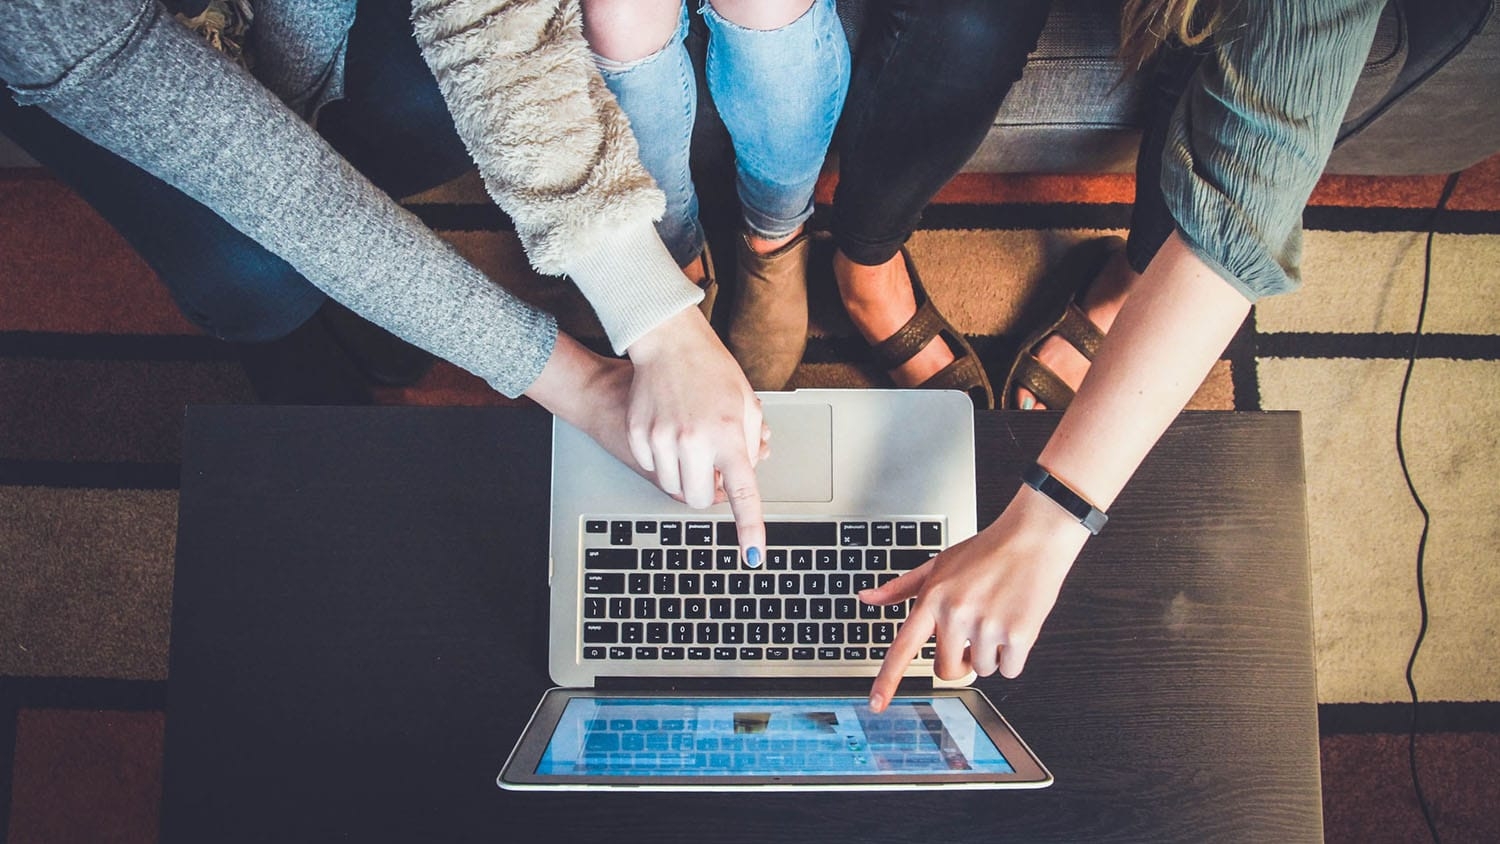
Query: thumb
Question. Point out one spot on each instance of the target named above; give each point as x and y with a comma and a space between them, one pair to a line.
903, 587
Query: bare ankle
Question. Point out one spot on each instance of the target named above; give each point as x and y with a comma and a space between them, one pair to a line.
762, 246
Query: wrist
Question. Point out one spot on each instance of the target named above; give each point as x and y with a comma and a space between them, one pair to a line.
1067, 499
672, 337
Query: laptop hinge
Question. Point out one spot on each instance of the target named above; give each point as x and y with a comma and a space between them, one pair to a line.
846, 685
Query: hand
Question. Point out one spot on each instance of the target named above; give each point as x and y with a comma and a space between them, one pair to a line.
695, 422
986, 597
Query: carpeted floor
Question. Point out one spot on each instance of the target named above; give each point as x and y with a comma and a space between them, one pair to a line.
96, 366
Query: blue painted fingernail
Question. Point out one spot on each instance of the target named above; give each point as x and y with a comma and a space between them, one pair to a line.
1028, 403
752, 557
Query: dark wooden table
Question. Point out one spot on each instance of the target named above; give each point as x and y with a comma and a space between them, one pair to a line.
359, 634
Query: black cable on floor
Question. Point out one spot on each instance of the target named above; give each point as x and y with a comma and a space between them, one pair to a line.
1411, 361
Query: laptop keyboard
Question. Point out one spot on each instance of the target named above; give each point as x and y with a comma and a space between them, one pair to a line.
665, 590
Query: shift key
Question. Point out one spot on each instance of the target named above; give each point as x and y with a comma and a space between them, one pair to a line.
910, 558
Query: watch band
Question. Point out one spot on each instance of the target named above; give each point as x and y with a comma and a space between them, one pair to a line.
1079, 508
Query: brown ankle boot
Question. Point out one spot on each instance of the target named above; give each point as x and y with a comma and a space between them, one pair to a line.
768, 325
710, 284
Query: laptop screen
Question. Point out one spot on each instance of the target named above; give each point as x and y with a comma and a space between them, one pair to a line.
762, 736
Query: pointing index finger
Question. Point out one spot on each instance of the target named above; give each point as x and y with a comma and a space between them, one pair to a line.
743, 492
907, 644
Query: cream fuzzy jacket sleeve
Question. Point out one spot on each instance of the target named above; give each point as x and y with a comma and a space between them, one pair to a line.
555, 152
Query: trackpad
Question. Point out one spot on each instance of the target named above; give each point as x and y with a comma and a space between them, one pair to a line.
800, 467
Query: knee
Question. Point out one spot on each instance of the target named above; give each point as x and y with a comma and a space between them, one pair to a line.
630, 30
253, 299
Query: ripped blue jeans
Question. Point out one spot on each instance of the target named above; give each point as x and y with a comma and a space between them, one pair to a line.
779, 93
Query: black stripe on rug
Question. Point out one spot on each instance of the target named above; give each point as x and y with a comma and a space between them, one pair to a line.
9, 712
1335, 719
60, 346
484, 217
1377, 346
92, 693
65, 474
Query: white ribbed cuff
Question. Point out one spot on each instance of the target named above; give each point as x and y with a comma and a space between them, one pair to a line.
632, 282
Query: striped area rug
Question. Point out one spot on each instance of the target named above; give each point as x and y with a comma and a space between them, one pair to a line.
96, 366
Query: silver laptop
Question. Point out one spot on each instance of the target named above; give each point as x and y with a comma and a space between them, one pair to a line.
681, 667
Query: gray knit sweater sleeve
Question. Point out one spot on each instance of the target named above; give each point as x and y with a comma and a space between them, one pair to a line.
137, 83
1254, 130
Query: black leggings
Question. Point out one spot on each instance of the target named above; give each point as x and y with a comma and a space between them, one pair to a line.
928, 78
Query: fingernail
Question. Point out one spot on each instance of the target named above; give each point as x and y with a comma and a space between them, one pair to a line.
1028, 403
752, 557
876, 701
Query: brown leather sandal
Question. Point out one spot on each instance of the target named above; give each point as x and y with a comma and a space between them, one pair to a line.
965, 373
1077, 270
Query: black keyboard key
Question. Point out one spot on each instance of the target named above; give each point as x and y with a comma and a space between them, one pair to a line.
677, 559
877, 559
682, 633
719, 608
858, 634
814, 584
882, 534
695, 608
657, 632
726, 653
789, 584
726, 534
708, 633
932, 533
617, 559
758, 633
833, 633
777, 653
645, 527
807, 534
854, 653
601, 583
863, 582
619, 608
698, 653
653, 558
639, 584
845, 608
698, 533
854, 533
620, 652
595, 526
739, 584
733, 633
838, 584
593, 608
646, 652
594, 652
852, 559
825, 559
619, 533
802, 559
765, 584
689, 584
744, 608
673, 653
829, 653
600, 632
794, 608
883, 632
807, 633
703, 559
906, 533
752, 653
727, 559
870, 611
878, 653
896, 610
664, 584
632, 632
670, 534
802, 653
820, 608
905, 559
770, 609
929, 652
783, 632
670, 608
777, 559
713, 584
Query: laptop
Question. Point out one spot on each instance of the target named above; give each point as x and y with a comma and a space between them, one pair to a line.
680, 667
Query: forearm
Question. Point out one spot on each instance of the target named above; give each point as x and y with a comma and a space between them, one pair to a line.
555, 152
202, 125
1162, 345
